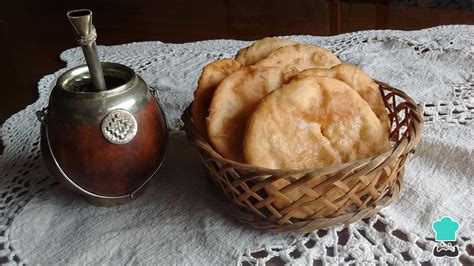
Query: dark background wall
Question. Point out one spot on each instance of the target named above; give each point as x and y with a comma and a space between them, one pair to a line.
33, 33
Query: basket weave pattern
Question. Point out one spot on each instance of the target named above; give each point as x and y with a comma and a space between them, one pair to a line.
333, 195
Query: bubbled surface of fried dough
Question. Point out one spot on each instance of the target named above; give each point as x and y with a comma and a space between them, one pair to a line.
312, 122
361, 82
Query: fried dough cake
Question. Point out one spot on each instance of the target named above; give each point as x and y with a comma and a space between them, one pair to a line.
210, 78
233, 102
299, 57
260, 49
358, 80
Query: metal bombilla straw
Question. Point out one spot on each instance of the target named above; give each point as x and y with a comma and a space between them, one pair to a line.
81, 20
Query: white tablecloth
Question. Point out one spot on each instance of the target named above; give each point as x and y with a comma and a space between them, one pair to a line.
178, 220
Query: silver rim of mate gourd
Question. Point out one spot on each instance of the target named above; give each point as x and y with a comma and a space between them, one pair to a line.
73, 98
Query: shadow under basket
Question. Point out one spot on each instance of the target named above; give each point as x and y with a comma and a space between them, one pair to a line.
340, 194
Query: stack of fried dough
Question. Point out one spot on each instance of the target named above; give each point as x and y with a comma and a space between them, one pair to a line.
280, 104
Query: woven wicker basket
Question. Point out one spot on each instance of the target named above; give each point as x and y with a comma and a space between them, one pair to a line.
345, 193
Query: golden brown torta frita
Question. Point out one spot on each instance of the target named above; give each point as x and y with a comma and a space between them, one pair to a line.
299, 57
211, 77
361, 82
260, 49
233, 102
309, 120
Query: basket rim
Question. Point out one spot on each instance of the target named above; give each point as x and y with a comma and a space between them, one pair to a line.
415, 125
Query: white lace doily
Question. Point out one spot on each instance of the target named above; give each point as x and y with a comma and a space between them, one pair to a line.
176, 221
